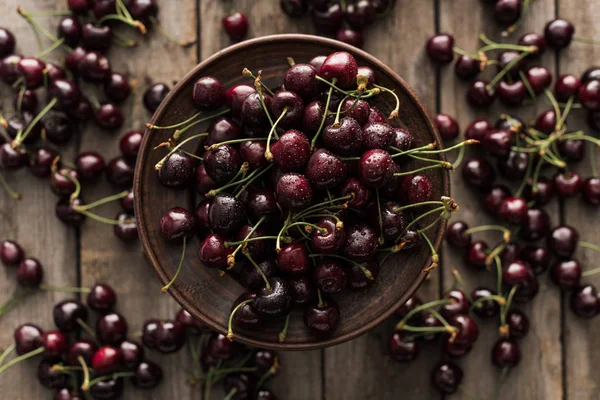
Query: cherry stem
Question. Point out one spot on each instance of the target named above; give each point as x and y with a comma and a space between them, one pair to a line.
440, 318
536, 175
231, 257
589, 245
169, 37
394, 114
189, 120
133, 23
6, 353
21, 137
420, 217
25, 356
252, 178
12, 302
491, 45
431, 225
258, 86
424, 203
233, 141
581, 136
434, 256
100, 219
490, 86
54, 13
465, 53
283, 333
456, 146
525, 178
86, 374
443, 163
498, 274
314, 139
364, 269
39, 29
268, 154
50, 49
64, 289
208, 383
103, 201
494, 297
231, 393
561, 122
586, 40
336, 122
248, 74
308, 227
483, 228
231, 244
168, 285
159, 164
86, 327
113, 376
259, 270
320, 206
8, 189
593, 161
459, 280
230, 324
509, 299
511, 29
422, 307
321, 303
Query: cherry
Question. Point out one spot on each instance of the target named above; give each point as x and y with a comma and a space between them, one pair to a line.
30, 273
106, 360
506, 353
477, 129
412, 303
507, 12
178, 171
126, 229
467, 331
12, 158
456, 236
127, 202
227, 214
58, 127
28, 337
236, 26
48, 377
392, 223
328, 18
514, 166
132, 354
518, 324
508, 56
566, 85
498, 142
27, 100
65, 394
303, 290
511, 252
294, 8
568, 183
252, 112
591, 191
102, 298
559, 33
176, 224
293, 191
96, 38
479, 173
520, 273
80, 6
361, 194
536, 225
170, 337
251, 279
67, 312
32, 72
293, 259
350, 36
511, 94
221, 348
85, 348
401, 348
73, 59
514, 210
478, 95
375, 115
593, 119
467, 68
11, 253
120, 172
447, 377
325, 170
55, 343
246, 316
90, 165
539, 78
572, 149
154, 95
584, 301
8, 68
589, 95
300, 79
342, 67
357, 280
108, 389
566, 274
538, 257
190, 323
329, 242
7, 43
317, 61
117, 87
292, 151
312, 116
455, 350
213, 253
329, 276
402, 139
275, 302
208, 93
534, 39
65, 211
204, 183
93, 66
360, 242
82, 111
223, 129
111, 329
143, 10
323, 319
488, 308
344, 139
543, 193
109, 117
476, 254
149, 333
235, 97
256, 249
261, 202
130, 144
440, 48
148, 375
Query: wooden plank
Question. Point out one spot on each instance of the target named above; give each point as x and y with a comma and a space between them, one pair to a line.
397, 40
538, 375
104, 257
266, 18
581, 343
32, 223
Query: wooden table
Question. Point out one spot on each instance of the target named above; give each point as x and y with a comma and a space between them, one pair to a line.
560, 353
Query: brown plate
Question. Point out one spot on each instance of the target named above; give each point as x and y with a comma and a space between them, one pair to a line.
200, 290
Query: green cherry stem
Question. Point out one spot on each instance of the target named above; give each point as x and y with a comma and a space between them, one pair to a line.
159, 164
447, 149
445, 165
86, 327
320, 206
424, 203
314, 140
364, 269
113, 376
231, 257
233, 141
6, 353
64, 289
168, 285
25, 356
268, 154
490, 86
483, 228
21, 137
105, 200
230, 324
15, 195
86, 374
258, 86
509, 299
284, 331
498, 274
394, 114
248, 74
259, 270
434, 255
423, 307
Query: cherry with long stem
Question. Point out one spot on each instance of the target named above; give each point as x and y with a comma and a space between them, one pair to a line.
165, 288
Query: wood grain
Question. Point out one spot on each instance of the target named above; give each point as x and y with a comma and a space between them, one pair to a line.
397, 40
104, 258
581, 344
32, 223
466, 21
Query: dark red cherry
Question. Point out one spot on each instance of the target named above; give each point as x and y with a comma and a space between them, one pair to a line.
73, 59
102, 298
511, 93
329, 18
477, 129
542, 194
300, 79
148, 375
66, 313
251, 279
11, 253
342, 67
85, 348
520, 273
467, 332
402, 139
213, 253
505, 58
345, 139
539, 78
375, 168
178, 171
416, 189
389, 222
357, 280
119, 171
447, 377
323, 320
117, 87
93, 66
12, 158
538, 257
127, 202
154, 95
26, 100
456, 236
360, 243
202, 210
30, 273
479, 173
7, 42
584, 301
589, 95
376, 135
507, 12
514, 211
90, 165
375, 115
506, 353
292, 151
478, 95
27, 337
227, 214
467, 68
294, 9
176, 224
235, 97
130, 144
293, 259
246, 316
170, 337
293, 191
236, 26
8, 68
329, 242
487, 308
252, 112
55, 343
312, 117
329, 276
559, 33
568, 183
80, 6
546, 122
192, 324
208, 93
514, 166
572, 150
413, 302
109, 389
518, 324
592, 73
261, 202
447, 126
360, 193
65, 211
303, 290
563, 240
149, 333
32, 72
351, 37
566, 85
126, 229
534, 39
96, 38
83, 111
401, 348
476, 254
325, 170
360, 14
223, 129
58, 127
48, 377
66, 92
440, 48
276, 302
109, 117
111, 329
498, 142
536, 225
566, 274
106, 361
591, 191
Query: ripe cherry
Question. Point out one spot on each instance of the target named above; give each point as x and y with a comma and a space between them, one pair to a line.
566, 274
402, 348
102, 298
342, 67
227, 214
154, 95
236, 26
328, 18
566, 85
478, 95
117, 87
329, 276
107, 360
148, 375
440, 48
584, 301
323, 319
559, 33
447, 377
11, 253
506, 353
479, 173
30, 273
67, 312
467, 68
477, 129
456, 236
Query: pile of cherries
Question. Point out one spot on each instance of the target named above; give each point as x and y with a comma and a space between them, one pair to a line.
304, 188
345, 20
78, 359
537, 157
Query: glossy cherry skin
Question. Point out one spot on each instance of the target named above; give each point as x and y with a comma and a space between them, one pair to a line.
85, 348
127, 229
90, 165
392, 222
350, 36
534, 39
93, 67
566, 274
227, 214
506, 353
542, 194
329, 242
58, 127
12, 159
559, 33
325, 170
447, 377
572, 150
148, 375
292, 151
477, 129
107, 360
143, 10
498, 142
479, 173
119, 171
102, 298
357, 280
476, 254
8, 68
223, 163
401, 348
109, 117
539, 78
345, 139
236, 26
11, 253
342, 67
65, 211
322, 320
329, 18
27, 100
235, 97
108, 389
487, 308
251, 279
402, 139
467, 330
30, 273
467, 68
513, 210
568, 183
31, 70
111, 329
27, 337
154, 95
520, 273
538, 257
312, 117
591, 191
293, 259
518, 324
412, 303
170, 337
117, 87
303, 289
507, 12
294, 191
96, 38
440, 48
376, 135
149, 333
360, 243
55, 343
329, 276
300, 79
208, 93
7, 42
178, 171
566, 85
67, 312
536, 225
246, 316
191, 324
276, 302
584, 301
589, 95
176, 224
48, 377
375, 169
456, 236
511, 94
478, 95
130, 144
